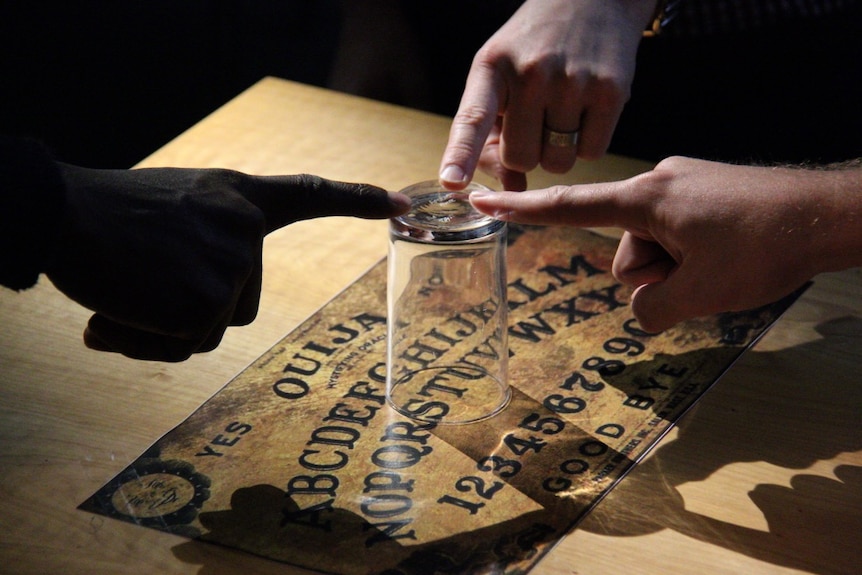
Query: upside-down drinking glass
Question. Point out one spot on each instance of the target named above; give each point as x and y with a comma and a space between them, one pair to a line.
447, 349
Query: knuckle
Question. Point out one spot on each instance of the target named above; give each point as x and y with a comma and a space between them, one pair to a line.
310, 182
651, 186
308, 189
492, 56
536, 68
556, 196
472, 115
534, 74
671, 163
218, 177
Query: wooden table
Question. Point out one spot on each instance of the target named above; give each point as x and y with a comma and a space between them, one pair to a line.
764, 476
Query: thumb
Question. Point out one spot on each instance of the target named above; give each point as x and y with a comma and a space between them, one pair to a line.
287, 199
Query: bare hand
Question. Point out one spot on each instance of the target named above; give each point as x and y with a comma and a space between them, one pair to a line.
704, 237
556, 64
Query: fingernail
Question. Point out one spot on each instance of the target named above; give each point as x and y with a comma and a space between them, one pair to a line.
453, 174
400, 201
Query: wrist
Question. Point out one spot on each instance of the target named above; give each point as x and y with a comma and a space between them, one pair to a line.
823, 209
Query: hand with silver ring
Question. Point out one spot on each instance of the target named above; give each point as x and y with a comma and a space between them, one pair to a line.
546, 88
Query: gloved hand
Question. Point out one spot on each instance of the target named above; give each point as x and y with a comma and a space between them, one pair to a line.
168, 258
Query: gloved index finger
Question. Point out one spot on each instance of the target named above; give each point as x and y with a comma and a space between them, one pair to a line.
288, 199
483, 99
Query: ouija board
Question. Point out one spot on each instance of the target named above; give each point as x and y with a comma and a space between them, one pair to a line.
300, 459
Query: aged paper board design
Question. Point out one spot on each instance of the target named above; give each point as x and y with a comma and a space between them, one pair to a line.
300, 460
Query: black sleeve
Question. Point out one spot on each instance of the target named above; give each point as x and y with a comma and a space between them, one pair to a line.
32, 203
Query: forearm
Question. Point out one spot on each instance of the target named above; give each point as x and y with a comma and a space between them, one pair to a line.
838, 193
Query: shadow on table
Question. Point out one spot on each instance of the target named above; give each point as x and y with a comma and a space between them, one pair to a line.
255, 522
791, 430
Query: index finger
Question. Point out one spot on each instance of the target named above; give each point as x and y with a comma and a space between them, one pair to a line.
482, 101
590, 205
287, 199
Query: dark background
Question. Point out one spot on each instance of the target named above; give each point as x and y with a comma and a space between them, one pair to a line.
106, 83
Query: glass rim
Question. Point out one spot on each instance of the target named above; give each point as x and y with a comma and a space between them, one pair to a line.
451, 220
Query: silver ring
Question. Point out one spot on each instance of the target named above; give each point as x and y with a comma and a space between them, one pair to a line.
561, 139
